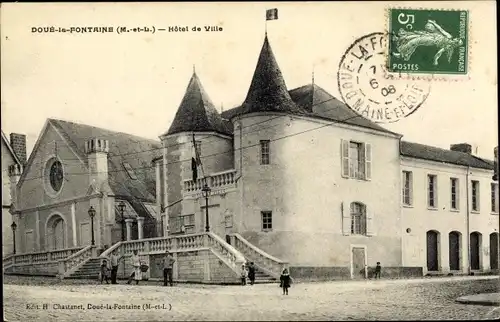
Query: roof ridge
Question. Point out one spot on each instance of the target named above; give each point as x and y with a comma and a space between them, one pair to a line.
105, 129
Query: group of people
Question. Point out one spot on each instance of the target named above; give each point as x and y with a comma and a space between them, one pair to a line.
138, 268
248, 271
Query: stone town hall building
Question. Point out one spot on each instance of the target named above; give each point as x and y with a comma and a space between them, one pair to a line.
296, 178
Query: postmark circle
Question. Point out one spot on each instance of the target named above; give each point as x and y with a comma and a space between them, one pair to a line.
369, 90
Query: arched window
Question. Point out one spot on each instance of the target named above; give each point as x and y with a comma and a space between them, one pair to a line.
358, 219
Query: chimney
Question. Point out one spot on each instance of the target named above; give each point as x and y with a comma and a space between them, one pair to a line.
461, 147
18, 144
97, 154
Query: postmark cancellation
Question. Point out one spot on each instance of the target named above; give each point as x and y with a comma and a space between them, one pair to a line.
369, 90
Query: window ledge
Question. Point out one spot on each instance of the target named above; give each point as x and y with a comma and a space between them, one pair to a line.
475, 212
407, 206
267, 230
432, 208
494, 213
455, 210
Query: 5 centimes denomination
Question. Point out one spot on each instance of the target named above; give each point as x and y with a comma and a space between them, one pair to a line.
367, 88
428, 41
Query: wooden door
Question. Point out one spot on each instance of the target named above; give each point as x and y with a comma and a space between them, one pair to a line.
475, 251
432, 251
494, 250
454, 255
59, 236
358, 262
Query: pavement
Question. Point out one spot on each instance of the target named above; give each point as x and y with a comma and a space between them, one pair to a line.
44, 299
488, 299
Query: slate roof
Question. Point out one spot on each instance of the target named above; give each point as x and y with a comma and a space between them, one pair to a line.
316, 102
427, 152
123, 148
268, 91
197, 113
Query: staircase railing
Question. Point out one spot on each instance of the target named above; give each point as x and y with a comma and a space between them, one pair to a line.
71, 263
40, 257
230, 255
266, 262
40, 262
182, 243
7, 261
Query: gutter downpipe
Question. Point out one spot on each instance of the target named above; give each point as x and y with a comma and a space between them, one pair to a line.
468, 222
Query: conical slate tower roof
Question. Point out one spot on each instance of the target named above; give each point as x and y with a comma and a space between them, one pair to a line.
268, 90
197, 113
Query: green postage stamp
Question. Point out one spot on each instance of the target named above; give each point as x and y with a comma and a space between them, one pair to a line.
428, 41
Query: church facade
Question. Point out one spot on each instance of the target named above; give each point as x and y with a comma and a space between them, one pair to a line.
76, 167
301, 177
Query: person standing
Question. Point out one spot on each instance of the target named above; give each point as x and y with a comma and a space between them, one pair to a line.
243, 275
251, 273
378, 268
114, 266
137, 273
168, 267
285, 280
104, 272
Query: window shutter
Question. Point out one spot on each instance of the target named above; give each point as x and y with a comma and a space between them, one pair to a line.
344, 150
410, 183
346, 219
370, 224
368, 161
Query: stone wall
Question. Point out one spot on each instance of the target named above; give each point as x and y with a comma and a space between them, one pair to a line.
304, 273
43, 269
188, 267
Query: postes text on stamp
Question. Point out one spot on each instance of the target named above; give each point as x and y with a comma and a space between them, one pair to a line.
367, 88
428, 41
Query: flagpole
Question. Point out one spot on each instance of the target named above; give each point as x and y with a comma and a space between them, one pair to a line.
266, 27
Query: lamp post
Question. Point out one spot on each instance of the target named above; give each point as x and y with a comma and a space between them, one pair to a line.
121, 208
14, 226
92, 214
206, 192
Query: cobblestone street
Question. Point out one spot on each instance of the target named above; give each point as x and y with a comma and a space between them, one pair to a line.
415, 299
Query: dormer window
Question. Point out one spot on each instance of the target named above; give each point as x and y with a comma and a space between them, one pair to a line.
130, 171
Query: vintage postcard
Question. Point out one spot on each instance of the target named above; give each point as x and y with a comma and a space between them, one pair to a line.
250, 161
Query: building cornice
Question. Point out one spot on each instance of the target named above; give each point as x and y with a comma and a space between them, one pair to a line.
59, 204
321, 120
442, 164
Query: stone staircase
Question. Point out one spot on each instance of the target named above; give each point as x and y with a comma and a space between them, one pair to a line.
89, 270
263, 278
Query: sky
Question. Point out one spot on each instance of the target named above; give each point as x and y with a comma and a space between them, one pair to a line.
134, 82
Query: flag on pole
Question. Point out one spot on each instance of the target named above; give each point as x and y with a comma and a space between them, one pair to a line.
195, 161
272, 14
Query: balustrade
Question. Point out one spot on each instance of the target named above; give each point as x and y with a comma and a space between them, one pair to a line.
216, 180
41, 257
262, 259
76, 259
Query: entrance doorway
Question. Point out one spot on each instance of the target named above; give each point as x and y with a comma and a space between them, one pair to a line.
494, 250
432, 250
358, 262
475, 250
454, 244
